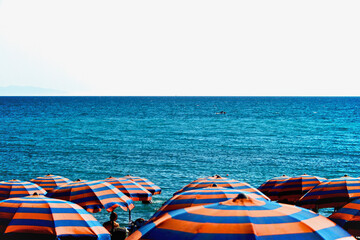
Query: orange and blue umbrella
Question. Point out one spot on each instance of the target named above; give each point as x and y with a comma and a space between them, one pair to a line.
38, 217
93, 196
348, 217
49, 182
148, 185
334, 193
16, 188
220, 182
202, 196
292, 189
266, 187
242, 218
131, 189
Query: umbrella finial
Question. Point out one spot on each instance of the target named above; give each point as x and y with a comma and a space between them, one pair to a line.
217, 176
214, 185
48, 174
241, 196
346, 175
79, 180
35, 194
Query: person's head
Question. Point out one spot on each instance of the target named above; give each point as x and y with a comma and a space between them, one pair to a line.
113, 216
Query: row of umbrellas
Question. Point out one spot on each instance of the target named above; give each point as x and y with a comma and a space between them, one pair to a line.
221, 208
312, 192
342, 194
65, 215
49, 182
207, 208
91, 195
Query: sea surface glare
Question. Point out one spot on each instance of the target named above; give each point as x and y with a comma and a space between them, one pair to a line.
174, 140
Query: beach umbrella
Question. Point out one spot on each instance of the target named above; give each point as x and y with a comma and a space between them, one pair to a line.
49, 182
348, 217
292, 189
39, 218
131, 189
16, 188
333, 193
148, 185
202, 196
270, 184
93, 196
242, 218
220, 182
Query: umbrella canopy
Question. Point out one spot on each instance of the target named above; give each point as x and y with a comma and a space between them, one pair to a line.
131, 189
148, 185
292, 189
93, 195
220, 182
241, 218
349, 217
16, 188
49, 182
39, 218
333, 193
201, 196
270, 184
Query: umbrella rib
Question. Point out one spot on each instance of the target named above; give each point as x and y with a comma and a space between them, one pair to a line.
81, 216
347, 189
100, 204
9, 224
52, 217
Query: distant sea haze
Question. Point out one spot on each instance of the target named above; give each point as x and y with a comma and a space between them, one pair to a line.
174, 140
29, 91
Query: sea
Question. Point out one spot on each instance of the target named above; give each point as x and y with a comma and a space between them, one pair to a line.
175, 140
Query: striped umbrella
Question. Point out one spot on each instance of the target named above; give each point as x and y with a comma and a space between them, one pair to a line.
49, 182
131, 189
93, 195
150, 186
16, 188
334, 193
241, 218
39, 218
292, 189
202, 196
348, 217
270, 184
220, 182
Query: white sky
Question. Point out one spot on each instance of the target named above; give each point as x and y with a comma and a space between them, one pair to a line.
186, 47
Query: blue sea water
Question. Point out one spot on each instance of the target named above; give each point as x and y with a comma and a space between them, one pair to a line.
174, 140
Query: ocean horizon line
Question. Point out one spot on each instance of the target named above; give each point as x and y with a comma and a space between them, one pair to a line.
179, 96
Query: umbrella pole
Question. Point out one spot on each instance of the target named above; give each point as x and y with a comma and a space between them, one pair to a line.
129, 216
316, 209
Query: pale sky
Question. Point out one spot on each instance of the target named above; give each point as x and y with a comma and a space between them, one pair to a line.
185, 47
